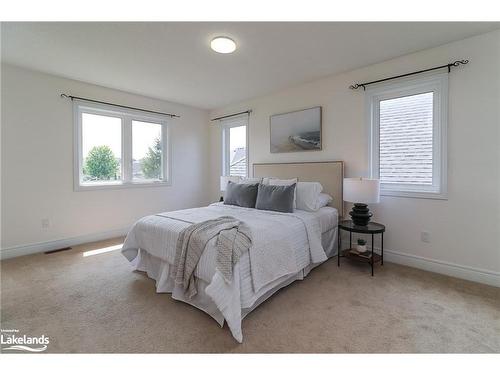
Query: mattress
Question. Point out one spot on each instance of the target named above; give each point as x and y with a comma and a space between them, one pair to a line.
328, 218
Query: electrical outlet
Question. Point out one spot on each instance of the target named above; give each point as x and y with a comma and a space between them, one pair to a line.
425, 237
45, 224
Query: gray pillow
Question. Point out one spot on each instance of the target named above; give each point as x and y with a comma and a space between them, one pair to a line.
275, 198
243, 195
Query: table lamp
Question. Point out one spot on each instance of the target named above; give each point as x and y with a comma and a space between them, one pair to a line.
361, 191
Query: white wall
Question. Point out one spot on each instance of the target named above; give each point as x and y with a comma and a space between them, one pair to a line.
464, 229
37, 164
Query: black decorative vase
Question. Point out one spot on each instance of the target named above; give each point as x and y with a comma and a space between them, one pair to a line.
360, 214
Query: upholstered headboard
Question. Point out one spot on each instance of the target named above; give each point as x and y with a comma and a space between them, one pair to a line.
329, 173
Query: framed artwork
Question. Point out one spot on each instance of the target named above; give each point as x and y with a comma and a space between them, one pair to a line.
296, 131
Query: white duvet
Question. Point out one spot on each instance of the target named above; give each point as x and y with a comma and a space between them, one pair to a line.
282, 244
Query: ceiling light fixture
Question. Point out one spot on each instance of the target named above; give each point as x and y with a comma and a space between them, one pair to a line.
223, 44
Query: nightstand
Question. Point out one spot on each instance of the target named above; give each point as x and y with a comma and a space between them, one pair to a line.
373, 229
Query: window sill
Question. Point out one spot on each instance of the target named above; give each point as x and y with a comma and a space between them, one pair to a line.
122, 185
413, 194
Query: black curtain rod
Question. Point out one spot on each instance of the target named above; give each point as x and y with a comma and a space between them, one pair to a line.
449, 66
118, 105
232, 115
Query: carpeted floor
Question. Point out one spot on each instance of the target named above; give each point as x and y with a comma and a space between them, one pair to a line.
97, 304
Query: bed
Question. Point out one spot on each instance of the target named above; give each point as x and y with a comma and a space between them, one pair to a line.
285, 248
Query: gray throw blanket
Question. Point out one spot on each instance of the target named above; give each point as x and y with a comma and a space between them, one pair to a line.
233, 240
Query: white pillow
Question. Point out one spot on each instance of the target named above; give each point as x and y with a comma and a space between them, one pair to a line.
323, 200
307, 195
278, 182
265, 180
250, 180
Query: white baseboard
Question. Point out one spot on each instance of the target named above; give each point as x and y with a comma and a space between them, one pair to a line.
17, 251
427, 264
445, 268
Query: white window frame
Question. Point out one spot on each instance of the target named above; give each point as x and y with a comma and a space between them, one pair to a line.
127, 116
226, 125
438, 85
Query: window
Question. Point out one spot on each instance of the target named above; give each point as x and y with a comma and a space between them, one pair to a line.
408, 137
117, 147
147, 151
234, 144
101, 149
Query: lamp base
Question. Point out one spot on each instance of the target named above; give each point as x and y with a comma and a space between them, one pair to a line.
360, 214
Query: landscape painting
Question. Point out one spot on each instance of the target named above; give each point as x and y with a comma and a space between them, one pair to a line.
296, 131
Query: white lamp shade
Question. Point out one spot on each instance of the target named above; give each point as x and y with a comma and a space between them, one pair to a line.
225, 179
361, 190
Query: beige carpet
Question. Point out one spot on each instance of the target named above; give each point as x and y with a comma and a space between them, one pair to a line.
97, 304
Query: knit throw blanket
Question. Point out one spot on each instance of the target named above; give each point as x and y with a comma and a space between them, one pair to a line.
233, 240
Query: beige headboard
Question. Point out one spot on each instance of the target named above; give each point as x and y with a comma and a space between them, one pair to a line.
329, 173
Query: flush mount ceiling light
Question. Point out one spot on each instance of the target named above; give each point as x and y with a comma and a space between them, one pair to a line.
223, 44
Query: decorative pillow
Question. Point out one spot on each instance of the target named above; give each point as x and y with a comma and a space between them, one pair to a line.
243, 195
275, 198
278, 182
323, 200
307, 195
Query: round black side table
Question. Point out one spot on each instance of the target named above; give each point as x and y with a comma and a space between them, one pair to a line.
372, 228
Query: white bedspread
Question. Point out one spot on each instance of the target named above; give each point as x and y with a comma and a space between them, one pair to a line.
283, 244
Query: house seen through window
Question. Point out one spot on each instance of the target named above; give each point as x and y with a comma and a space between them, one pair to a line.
235, 153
